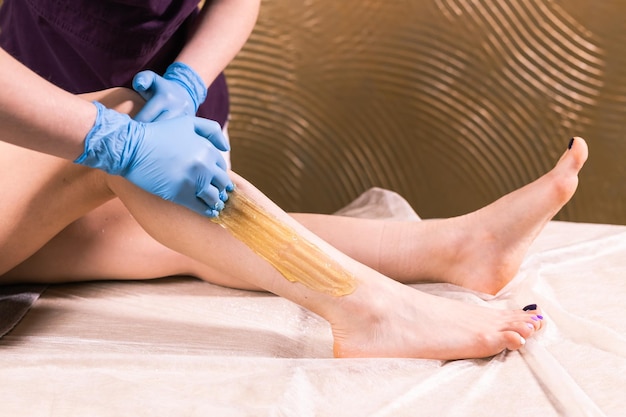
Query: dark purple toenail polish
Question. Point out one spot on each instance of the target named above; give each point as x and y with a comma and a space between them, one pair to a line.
539, 316
530, 307
571, 142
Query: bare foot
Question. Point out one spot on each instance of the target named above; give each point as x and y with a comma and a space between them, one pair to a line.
400, 321
491, 243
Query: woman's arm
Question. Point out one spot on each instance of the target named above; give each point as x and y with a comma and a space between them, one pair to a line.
223, 27
36, 114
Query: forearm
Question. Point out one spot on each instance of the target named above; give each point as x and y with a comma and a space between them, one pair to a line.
222, 29
37, 115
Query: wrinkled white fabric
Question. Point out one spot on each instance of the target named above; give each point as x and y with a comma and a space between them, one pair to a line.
182, 347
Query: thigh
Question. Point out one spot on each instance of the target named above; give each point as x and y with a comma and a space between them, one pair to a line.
41, 195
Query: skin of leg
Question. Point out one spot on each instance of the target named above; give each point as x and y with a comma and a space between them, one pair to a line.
34, 207
41, 196
482, 250
379, 319
486, 253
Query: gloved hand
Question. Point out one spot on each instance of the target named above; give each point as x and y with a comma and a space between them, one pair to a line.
178, 93
189, 170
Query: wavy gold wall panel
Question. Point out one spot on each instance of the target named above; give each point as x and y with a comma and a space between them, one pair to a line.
452, 103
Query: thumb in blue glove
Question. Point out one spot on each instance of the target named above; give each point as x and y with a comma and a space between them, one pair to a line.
178, 93
189, 171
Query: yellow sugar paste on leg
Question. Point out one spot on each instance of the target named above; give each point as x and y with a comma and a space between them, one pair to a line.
296, 258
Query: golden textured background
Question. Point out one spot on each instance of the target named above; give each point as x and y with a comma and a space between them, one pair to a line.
451, 103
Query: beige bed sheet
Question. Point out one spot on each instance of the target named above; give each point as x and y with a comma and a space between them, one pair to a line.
182, 347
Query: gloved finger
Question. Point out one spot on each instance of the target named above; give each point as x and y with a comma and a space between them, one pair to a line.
200, 207
224, 196
211, 213
212, 131
150, 112
221, 181
221, 162
142, 83
210, 196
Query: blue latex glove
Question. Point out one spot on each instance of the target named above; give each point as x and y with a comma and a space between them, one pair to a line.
189, 170
178, 93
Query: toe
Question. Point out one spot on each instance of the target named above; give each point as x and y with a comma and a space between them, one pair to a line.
512, 340
533, 316
536, 320
522, 328
577, 152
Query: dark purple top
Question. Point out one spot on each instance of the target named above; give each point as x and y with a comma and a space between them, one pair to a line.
89, 45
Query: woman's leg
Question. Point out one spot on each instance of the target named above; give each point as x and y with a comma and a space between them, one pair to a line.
486, 246
380, 318
41, 196
482, 250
